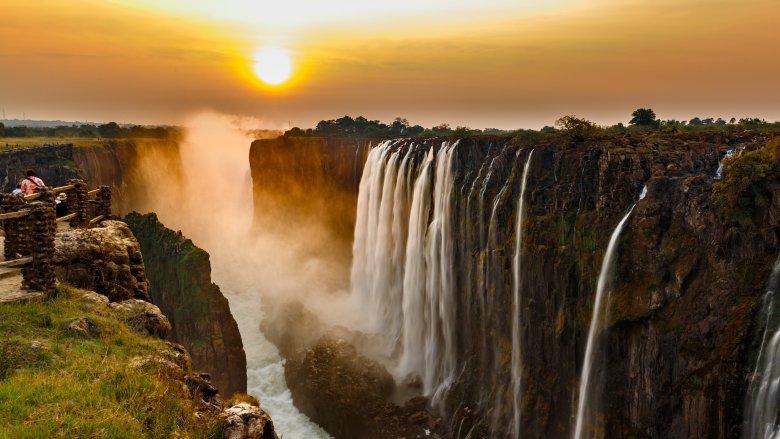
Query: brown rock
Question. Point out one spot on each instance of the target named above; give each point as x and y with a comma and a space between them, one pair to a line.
246, 421
144, 316
99, 259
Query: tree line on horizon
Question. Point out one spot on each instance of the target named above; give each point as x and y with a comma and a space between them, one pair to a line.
111, 130
642, 119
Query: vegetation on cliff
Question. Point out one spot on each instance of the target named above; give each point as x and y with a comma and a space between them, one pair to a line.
570, 126
180, 276
57, 381
748, 182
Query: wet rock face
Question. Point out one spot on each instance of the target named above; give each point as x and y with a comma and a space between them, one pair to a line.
347, 394
340, 389
105, 259
180, 275
686, 287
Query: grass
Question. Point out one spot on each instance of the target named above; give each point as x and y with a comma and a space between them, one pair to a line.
27, 142
56, 383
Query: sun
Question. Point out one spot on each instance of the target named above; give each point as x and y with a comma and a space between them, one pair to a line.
273, 65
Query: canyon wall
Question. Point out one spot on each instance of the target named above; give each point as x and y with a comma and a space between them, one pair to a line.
304, 183
688, 280
180, 277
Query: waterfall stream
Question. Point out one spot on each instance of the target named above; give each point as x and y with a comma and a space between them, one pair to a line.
516, 363
402, 259
761, 415
719, 172
587, 391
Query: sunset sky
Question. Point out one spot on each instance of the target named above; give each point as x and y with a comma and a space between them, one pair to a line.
477, 63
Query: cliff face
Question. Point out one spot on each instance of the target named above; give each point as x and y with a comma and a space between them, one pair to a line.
180, 277
300, 183
683, 295
136, 170
52, 163
141, 172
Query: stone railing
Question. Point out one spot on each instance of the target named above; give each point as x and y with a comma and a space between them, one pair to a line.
30, 223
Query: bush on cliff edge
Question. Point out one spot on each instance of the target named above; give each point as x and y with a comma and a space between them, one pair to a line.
745, 183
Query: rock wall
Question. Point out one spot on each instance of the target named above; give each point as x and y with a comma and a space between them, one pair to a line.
685, 294
106, 259
180, 275
140, 172
300, 183
54, 164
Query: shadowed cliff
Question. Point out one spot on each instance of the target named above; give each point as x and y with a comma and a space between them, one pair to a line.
180, 275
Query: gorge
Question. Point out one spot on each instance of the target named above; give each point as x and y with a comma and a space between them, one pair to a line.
472, 270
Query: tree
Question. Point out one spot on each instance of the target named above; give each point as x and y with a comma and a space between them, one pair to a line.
2, 129
695, 121
577, 129
644, 117
110, 130
733, 120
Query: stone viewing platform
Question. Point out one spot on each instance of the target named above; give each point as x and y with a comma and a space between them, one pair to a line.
29, 223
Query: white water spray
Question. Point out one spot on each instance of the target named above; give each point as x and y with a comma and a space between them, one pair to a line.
600, 310
761, 413
516, 364
403, 259
719, 172
214, 157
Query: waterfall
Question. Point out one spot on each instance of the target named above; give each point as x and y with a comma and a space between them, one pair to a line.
516, 366
719, 172
600, 309
761, 405
403, 268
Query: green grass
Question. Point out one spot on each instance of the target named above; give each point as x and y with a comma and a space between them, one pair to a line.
55, 383
27, 142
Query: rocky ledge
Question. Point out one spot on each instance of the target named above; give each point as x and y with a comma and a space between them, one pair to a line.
346, 393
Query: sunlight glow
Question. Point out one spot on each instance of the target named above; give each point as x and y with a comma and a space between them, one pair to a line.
273, 65
294, 15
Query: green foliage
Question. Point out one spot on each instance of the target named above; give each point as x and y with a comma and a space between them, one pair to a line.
577, 129
743, 186
697, 381
54, 383
109, 130
644, 117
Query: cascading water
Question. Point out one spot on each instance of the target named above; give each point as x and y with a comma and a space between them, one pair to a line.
585, 409
516, 363
719, 172
238, 264
402, 259
761, 405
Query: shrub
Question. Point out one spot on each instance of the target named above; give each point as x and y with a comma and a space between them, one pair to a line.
744, 183
577, 129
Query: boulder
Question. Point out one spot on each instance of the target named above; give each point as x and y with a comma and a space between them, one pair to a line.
246, 421
143, 316
105, 259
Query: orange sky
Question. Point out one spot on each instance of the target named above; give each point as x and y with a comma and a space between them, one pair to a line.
487, 63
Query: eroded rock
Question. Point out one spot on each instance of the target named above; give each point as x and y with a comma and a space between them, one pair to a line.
144, 316
245, 421
105, 259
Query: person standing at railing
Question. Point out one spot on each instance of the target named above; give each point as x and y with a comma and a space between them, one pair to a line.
61, 204
31, 183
